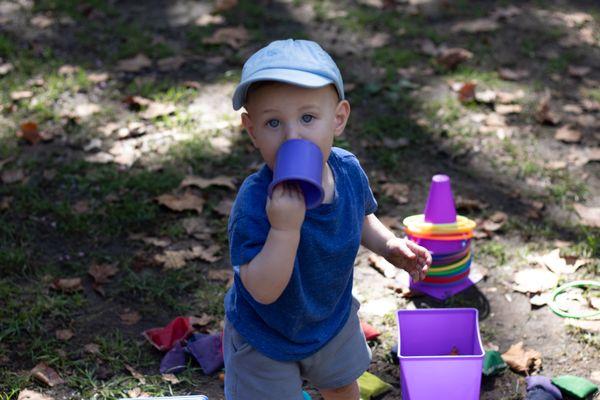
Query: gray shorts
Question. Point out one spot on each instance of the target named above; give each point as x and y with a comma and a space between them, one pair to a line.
251, 375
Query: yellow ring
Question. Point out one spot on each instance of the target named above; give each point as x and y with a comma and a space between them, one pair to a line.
416, 223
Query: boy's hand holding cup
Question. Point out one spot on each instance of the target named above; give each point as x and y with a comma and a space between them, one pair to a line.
296, 184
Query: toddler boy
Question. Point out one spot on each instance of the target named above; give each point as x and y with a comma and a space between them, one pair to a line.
290, 314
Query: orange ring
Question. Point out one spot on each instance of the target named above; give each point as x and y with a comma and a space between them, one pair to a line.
462, 236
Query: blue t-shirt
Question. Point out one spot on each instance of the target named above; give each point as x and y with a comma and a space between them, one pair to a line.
315, 304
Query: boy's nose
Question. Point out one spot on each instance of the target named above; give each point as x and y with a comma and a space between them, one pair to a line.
292, 133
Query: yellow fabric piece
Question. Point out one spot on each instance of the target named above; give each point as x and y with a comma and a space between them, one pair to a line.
371, 386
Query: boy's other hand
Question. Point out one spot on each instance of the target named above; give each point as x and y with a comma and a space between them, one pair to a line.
286, 207
409, 256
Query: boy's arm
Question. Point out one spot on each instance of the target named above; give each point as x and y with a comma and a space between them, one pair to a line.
266, 276
403, 253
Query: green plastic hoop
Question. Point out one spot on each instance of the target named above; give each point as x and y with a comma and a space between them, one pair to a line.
561, 289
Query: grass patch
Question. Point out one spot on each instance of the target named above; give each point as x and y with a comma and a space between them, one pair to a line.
493, 249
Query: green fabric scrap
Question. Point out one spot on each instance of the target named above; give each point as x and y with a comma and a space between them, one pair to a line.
371, 386
493, 364
575, 386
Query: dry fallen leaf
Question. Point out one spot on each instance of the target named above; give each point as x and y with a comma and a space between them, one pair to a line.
534, 280
21, 95
201, 321
46, 375
134, 64
5, 68
475, 26
135, 103
156, 110
450, 58
555, 263
544, 113
30, 132
203, 183
27, 394
469, 205
235, 37
64, 334
172, 379
92, 348
67, 285
170, 63
494, 222
224, 207
521, 360
508, 108
224, 275
578, 71
158, 242
568, 135
187, 201
102, 272
397, 191
129, 317
209, 19
224, 5
13, 176
382, 265
137, 392
136, 374
590, 216
541, 299
466, 92
80, 207
67, 69
513, 74
98, 77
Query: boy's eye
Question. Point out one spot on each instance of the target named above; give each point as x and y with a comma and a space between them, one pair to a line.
306, 118
273, 123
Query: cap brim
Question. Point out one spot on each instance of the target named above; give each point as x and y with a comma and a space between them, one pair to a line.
298, 78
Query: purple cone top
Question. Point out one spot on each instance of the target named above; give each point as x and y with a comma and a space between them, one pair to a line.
440, 203
300, 161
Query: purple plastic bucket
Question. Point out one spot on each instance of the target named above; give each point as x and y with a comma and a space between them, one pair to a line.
428, 370
300, 161
441, 246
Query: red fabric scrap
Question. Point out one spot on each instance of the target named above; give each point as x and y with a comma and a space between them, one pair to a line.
165, 338
370, 332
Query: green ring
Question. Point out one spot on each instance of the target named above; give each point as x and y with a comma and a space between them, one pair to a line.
559, 290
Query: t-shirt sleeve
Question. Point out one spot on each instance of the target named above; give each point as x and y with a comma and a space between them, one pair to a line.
370, 202
247, 236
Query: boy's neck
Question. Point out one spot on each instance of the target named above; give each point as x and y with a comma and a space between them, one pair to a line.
328, 184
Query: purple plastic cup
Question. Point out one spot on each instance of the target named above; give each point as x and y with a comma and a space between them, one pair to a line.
440, 207
300, 161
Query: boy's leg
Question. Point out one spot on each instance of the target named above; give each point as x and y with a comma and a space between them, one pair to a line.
249, 375
335, 368
348, 392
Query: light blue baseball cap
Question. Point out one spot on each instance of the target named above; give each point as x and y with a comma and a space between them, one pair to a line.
297, 62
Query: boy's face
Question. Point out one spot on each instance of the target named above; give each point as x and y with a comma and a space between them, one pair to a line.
277, 112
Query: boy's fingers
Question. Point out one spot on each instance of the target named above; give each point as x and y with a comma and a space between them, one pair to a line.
405, 250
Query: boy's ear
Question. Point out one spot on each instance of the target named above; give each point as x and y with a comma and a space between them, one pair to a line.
342, 112
247, 123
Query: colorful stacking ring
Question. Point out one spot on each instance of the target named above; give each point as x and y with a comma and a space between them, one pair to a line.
456, 269
446, 279
458, 236
446, 259
417, 223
